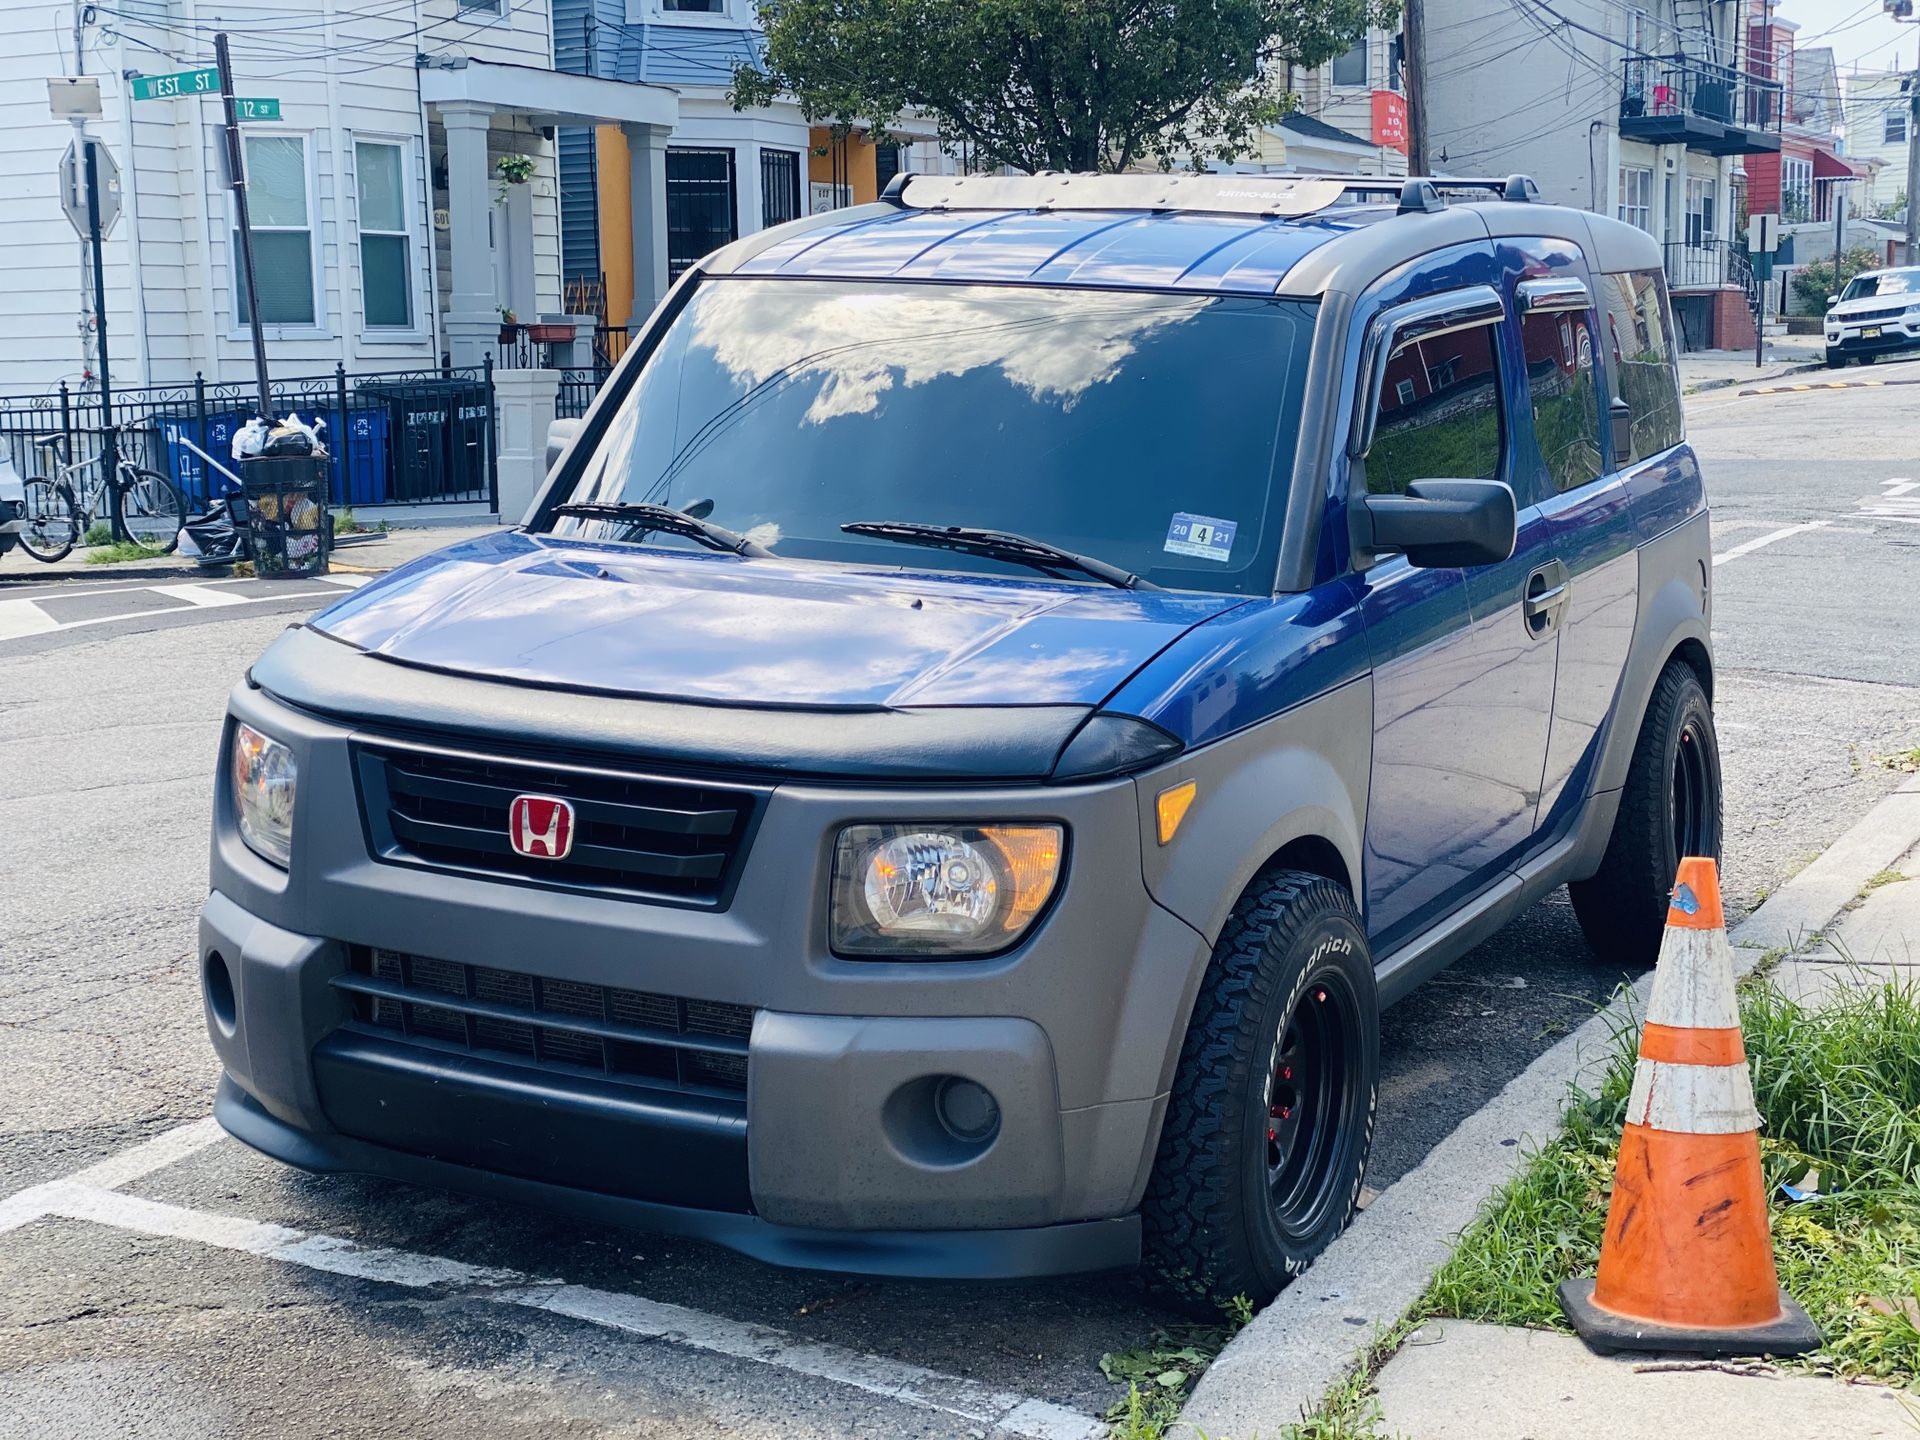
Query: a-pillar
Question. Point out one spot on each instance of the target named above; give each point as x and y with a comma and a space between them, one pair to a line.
473, 317
647, 182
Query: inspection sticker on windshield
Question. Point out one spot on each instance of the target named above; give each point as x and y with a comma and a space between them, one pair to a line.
1201, 536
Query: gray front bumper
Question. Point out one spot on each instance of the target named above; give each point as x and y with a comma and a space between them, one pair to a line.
1075, 1033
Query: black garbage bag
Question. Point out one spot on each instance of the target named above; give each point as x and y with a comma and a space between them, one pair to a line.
220, 536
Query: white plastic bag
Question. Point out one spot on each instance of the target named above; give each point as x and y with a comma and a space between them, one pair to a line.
250, 439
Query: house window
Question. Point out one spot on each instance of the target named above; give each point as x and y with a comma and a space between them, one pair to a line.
480, 7
1565, 399
1636, 196
700, 205
886, 164
779, 186
282, 232
694, 7
1439, 411
386, 262
1351, 68
1700, 216
1796, 190
1896, 131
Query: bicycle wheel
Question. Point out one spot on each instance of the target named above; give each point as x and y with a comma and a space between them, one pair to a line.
151, 512
51, 523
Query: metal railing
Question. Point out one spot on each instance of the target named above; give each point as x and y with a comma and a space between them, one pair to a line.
1709, 264
402, 437
1680, 85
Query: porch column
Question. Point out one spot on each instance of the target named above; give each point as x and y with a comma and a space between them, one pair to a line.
647, 184
473, 321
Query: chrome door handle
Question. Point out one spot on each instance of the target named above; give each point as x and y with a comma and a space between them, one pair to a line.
1539, 602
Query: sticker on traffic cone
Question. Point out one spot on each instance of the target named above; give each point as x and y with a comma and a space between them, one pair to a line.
1687, 1260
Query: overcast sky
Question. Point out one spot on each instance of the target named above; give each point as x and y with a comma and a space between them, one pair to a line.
1862, 36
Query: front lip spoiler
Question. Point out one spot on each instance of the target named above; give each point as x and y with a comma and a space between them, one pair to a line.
1074, 1248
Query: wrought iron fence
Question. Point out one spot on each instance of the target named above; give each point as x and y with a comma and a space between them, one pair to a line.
402, 437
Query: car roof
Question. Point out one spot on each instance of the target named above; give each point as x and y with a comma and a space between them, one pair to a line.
1235, 234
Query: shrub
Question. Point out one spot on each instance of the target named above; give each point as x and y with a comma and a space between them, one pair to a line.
1816, 280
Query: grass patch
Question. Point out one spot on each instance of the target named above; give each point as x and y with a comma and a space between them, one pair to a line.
1839, 1093
119, 553
98, 533
1160, 1375
1885, 877
1907, 761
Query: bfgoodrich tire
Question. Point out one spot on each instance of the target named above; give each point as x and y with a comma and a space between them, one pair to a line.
1670, 808
1271, 1114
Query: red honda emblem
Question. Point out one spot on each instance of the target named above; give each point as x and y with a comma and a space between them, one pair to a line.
540, 826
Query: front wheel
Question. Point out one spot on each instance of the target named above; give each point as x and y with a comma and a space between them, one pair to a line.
50, 524
151, 512
1835, 359
1270, 1119
1669, 809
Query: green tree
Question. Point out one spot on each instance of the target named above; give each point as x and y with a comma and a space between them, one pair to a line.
1054, 84
1816, 281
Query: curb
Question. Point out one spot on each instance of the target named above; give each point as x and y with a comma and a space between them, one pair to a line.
1705, 386
1276, 1370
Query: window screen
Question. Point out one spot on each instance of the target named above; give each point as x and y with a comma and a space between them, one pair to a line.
1439, 415
1640, 344
385, 266
282, 233
1565, 398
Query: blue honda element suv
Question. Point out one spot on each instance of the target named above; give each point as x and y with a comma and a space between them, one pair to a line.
1003, 685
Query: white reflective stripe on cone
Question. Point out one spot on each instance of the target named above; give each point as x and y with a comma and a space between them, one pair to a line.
1692, 1099
1693, 985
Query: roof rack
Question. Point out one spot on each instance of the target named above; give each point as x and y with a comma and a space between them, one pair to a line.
1271, 195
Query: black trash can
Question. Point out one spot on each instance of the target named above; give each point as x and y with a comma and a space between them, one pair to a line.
287, 514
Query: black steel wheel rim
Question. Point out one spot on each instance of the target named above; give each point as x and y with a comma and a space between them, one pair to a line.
1692, 794
1312, 1103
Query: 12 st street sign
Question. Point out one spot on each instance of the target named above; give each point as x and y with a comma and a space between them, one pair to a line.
256, 109
187, 82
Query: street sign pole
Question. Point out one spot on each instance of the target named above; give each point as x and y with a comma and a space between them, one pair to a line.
110, 447
236, 168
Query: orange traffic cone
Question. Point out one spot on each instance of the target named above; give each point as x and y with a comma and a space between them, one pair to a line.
1687, 1259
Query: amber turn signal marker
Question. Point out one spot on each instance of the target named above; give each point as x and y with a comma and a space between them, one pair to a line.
1171, 807
1032, 856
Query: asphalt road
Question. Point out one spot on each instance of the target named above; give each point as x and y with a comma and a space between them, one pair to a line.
170, 1311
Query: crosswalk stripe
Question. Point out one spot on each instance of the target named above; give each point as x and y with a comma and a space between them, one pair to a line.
23, 617
198, 595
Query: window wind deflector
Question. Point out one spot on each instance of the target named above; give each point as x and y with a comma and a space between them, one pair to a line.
997, 545
666, 519
1551, 294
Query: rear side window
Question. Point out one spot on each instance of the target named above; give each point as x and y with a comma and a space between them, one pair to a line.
1641, 344
1439, 415
1566, 407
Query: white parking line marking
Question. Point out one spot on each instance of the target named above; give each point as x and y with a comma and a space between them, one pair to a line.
347, 582
23, 617
148, 614
895, 1380
136, 1162
1769, 538
198, 595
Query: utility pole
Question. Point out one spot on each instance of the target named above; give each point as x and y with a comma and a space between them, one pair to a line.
237, 171
1413, 33
90, 169
1913, 167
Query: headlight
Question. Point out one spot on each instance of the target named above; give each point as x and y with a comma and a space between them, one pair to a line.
263, 780
938, 889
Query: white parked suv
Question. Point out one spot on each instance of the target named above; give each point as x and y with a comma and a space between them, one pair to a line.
1878, 312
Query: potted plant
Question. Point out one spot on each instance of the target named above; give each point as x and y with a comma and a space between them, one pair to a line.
550, 332
512, 170
509, 326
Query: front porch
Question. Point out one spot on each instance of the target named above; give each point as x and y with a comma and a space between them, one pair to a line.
503, 240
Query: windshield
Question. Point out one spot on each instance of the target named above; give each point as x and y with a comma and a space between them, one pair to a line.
1137, 428
1887, 282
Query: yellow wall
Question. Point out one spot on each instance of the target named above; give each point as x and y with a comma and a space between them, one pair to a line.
861, 175
616, 222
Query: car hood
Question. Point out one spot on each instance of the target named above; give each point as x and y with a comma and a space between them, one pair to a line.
674, 625
1871, 305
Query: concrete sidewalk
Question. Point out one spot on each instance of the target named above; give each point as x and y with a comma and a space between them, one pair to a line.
1703, 370
1453, 1380
369, 551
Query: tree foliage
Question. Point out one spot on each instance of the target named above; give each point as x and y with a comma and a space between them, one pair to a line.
1816, 280
1054, 84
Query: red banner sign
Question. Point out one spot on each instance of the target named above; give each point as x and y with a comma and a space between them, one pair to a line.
1390, 119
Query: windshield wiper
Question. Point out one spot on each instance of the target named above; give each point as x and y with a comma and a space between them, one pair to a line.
668, 520
997, 545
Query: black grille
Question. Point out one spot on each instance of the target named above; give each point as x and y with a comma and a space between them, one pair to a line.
633, 834
1893, 312
626, 1034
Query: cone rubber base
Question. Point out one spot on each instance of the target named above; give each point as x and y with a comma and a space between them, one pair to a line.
1605, 1332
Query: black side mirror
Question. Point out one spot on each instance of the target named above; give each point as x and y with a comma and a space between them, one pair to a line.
560, 435
1621, 415
1439, 524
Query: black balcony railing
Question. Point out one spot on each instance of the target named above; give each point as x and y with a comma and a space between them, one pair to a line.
1713, 108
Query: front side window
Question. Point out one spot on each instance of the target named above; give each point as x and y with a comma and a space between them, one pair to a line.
385, 261
1351, 68
1640, 343
1142, 429
282, 232
1439, 415
1886, 282
1560, 385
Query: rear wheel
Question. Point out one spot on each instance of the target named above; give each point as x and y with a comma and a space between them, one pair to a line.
1271, 1115
150, 511
50, 524
1669, 809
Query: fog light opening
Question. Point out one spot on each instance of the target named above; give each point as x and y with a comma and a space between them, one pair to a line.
217, 983
967, 1111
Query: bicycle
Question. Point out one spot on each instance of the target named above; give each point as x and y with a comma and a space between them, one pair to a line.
146, 508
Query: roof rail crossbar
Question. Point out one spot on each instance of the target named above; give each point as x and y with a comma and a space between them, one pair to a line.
1285, 196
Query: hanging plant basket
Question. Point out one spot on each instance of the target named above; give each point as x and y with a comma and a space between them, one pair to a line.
511, 170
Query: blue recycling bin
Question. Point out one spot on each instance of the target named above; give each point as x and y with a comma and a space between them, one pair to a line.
362, 462
186, 469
